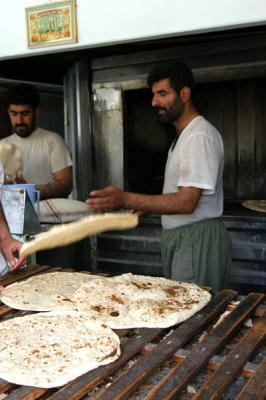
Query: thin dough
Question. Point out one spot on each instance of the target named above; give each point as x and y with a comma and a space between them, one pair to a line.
11, 159
69, 233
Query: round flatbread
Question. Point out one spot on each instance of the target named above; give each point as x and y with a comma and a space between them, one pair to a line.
255, 205
74, 231
50, 349
45, 292
133, 301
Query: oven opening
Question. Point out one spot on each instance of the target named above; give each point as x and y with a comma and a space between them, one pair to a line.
236, 108
146, 143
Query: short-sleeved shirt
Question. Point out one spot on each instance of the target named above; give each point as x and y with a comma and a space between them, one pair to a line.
196, 160
3, 263
43, 153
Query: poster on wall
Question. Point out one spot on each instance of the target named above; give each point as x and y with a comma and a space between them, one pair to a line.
51, 24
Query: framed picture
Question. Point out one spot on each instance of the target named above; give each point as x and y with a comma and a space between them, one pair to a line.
51, 24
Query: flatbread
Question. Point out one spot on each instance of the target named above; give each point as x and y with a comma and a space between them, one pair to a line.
256, 205
11, 159
134, 301
45, 292
74, 231
50, 349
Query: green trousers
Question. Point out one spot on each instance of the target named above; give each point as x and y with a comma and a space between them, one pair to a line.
199, 252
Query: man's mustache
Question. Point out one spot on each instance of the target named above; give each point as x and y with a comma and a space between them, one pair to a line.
161, 109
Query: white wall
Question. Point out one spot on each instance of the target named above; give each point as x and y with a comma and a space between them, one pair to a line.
100, 22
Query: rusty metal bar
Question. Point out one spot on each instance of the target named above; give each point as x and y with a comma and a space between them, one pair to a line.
26, 393
5, 310
180, 376
214, 363
259, 312
256, 386
129, 382
4, 385
232, 365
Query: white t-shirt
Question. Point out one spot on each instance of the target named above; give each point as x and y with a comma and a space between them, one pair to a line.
197, 160
3, 263
43, 154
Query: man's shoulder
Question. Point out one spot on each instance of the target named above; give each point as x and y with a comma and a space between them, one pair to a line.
41, 132
203, 127
200, 123
49, 137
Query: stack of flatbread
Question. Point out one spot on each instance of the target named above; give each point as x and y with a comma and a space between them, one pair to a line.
125, 301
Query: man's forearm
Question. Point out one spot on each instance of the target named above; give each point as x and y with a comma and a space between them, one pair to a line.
182, 202
53, 190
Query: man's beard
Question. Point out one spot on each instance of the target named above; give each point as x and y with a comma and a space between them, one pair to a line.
171, 114
26, 130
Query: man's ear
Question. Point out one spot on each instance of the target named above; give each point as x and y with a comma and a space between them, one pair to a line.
185, 93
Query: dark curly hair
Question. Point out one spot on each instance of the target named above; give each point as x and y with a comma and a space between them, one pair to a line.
177, 72
23, 93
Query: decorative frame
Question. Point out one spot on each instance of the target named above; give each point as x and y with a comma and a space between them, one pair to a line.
51, 24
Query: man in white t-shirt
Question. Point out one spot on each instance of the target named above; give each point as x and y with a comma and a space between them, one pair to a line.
9, 247
195, 244
46, 160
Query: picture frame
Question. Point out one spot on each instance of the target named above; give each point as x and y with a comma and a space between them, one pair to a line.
51, 24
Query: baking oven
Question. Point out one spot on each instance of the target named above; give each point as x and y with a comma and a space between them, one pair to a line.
130, 146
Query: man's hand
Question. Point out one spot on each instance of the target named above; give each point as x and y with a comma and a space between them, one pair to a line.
106, 199
11, 248
18, 178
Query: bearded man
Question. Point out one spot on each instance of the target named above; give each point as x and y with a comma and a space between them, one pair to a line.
195, 244
46, 160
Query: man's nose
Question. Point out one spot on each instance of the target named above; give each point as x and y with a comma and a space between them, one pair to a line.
19, 118
155, 101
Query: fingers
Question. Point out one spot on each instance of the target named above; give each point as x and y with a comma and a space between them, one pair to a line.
102, 192
19, 178
105, 200
12, 264
97, 193
100, 200
16, 263
99, 204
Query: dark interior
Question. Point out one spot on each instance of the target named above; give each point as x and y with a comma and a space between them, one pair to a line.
236, 108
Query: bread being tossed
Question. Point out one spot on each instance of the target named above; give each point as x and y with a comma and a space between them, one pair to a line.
11, 159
